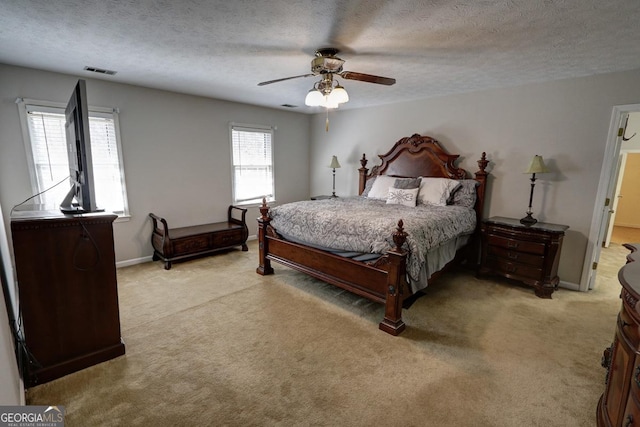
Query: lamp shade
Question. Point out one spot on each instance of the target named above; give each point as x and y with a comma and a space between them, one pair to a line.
334, 163
537, 165
314, 98
339, 95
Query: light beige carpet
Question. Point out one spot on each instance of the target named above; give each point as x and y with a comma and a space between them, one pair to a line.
212, 343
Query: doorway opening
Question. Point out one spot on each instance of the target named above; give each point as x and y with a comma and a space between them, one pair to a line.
624, 222
624, 120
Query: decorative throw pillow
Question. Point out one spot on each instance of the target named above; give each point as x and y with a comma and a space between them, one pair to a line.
380, 188
367, 186
465, 195
436, 191
407, 183
400, 196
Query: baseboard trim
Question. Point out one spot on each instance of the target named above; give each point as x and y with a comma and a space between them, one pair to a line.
134, 261
622, 224
569, 285
130, 262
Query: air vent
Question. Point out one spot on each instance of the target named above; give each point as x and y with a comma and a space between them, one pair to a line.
289, 106
100, 71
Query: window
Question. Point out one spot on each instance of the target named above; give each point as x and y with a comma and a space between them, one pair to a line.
45, 139
252, 164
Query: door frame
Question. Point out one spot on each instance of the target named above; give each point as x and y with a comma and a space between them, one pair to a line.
606, 185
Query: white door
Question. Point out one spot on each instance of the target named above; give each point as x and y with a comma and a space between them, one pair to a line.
610, 173
615, 198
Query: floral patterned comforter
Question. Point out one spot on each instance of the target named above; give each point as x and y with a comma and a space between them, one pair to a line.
364, 225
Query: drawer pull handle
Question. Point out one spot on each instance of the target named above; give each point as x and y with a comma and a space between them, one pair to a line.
512, 255
511, 269
624, 324
512, 244
636, 377
629, 421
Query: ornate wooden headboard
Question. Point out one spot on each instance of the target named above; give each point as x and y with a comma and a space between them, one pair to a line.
419, 155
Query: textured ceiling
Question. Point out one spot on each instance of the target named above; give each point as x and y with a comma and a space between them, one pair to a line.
222, 49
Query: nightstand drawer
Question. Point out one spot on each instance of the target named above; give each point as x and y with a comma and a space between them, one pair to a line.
527, 253
517, 245
501, 266
515, 256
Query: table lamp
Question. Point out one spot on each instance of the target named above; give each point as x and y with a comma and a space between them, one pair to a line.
536, 166
334, 165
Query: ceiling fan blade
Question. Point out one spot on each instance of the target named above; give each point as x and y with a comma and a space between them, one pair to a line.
351, 75
281, 80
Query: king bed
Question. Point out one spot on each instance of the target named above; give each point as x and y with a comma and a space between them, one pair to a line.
416, 216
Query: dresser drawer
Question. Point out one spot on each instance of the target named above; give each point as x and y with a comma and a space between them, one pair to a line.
629, 329
515, 256
635, 379
517, 245
631, 415
501, 266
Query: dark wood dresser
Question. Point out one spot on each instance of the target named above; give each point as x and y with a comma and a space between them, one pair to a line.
620, 402
65, 267
529, 254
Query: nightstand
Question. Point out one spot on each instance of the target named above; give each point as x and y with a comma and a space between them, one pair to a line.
529, 254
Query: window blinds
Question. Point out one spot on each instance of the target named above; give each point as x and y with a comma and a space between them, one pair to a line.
48, 145
252, 158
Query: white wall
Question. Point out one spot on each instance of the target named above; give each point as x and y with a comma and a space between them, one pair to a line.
12, 387
564, 121
176, 151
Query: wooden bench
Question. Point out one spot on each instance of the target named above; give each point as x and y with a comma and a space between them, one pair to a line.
182, 243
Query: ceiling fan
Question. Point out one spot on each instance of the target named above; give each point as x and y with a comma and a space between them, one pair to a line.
324, 93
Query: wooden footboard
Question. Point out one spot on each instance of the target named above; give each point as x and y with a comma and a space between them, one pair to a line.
383, 282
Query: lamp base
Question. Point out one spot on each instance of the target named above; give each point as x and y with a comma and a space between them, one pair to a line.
528, 220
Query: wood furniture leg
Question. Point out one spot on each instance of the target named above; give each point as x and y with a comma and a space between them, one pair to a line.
264, 264
392, 322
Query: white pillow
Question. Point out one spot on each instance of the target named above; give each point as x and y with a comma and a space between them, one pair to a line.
380, 188
436, 191
401, 196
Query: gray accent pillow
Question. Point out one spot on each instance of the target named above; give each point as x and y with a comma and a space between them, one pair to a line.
465, 194
367, 186
407, 183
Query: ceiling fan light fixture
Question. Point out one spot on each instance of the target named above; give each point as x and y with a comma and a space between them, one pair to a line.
339, 94
314, 98
329, 103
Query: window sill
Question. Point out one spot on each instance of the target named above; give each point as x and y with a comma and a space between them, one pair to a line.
254, 204
123, 218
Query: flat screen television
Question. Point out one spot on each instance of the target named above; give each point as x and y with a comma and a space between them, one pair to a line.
81, 197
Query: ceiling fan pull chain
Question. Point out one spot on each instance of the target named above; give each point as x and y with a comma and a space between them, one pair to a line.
326, 123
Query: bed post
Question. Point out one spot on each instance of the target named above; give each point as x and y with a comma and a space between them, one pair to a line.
392, 322
363, 174
473, 252
481, 177
264, 264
